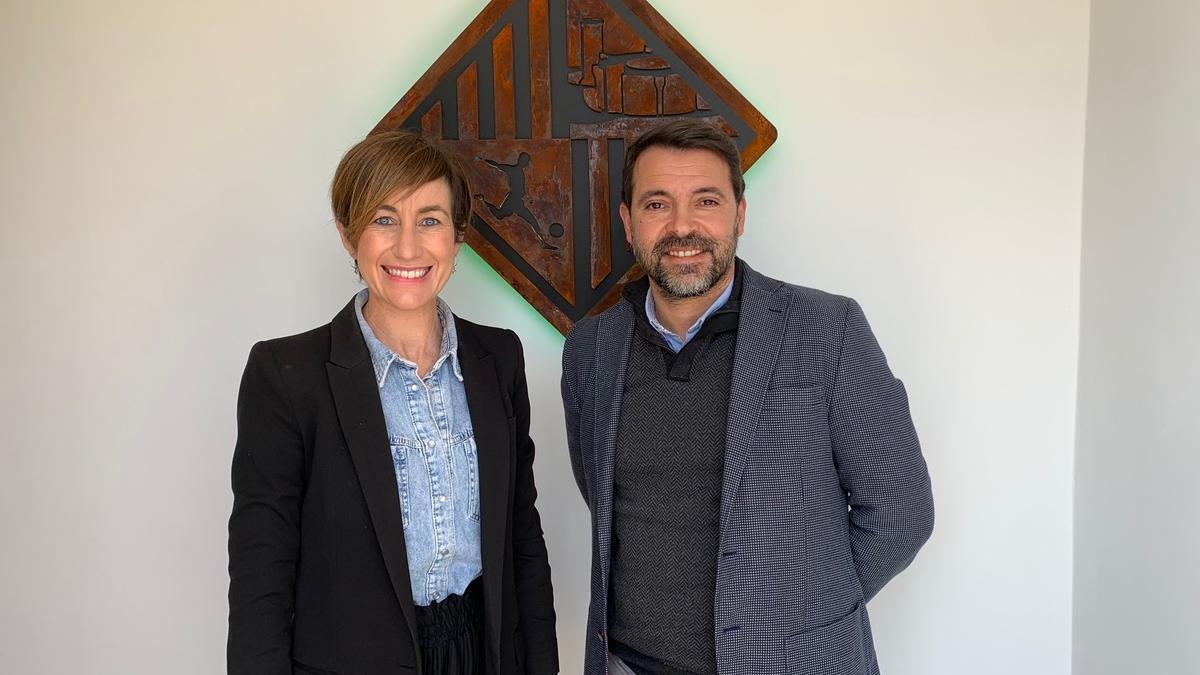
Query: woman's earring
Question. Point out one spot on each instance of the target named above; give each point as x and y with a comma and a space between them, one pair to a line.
354, 263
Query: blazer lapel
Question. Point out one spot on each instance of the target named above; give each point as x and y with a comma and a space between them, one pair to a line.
760, 333
360, 413
614, 335
489, 421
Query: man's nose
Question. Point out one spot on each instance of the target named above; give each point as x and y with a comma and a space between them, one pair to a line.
680, 222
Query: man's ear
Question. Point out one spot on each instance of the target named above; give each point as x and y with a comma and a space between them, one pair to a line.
741, 217
625, 219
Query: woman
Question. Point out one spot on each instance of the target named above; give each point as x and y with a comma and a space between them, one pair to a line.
383, 517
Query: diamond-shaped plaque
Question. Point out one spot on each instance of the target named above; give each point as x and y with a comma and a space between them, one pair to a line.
540, 98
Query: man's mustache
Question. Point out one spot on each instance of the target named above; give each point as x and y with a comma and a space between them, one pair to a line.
689, 242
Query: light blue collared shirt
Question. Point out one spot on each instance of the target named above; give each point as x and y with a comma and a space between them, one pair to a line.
434, 455
672, 339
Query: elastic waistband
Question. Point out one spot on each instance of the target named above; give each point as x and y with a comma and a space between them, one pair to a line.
454, 614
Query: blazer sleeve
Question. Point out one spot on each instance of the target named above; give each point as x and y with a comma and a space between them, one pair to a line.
878, 458
571, 410
268, 477
535, 594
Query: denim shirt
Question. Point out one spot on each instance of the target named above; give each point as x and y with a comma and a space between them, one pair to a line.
434, 454
672, 339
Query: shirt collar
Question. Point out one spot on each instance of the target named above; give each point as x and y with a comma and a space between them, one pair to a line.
383, 358
673, 340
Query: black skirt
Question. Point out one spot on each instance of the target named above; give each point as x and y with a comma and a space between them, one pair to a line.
451, 634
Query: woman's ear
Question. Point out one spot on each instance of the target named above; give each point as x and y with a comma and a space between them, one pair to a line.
342, 234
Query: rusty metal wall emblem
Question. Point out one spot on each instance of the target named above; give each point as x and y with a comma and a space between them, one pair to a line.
540, 97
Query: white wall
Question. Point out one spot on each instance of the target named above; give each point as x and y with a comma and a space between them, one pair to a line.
1137, 538
165, 172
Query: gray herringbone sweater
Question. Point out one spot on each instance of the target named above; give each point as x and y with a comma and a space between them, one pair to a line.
667, 498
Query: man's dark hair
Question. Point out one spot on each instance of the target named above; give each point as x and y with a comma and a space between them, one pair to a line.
687, 133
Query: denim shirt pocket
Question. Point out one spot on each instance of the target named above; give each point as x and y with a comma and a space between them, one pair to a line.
466, 451
401, 447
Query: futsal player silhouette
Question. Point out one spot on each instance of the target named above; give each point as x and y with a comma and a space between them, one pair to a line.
514, 201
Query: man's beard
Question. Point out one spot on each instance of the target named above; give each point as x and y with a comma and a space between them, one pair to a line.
691, 279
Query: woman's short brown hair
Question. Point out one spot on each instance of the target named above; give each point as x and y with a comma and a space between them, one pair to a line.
387, 161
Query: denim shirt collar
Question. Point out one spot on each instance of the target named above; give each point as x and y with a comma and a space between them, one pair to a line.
383, 358
673, 340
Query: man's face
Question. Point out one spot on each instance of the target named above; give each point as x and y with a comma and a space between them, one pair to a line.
683, 222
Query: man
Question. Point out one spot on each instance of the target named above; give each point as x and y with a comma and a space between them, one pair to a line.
749, 460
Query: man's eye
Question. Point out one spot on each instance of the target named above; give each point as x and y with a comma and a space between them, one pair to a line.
709, 202
655, 206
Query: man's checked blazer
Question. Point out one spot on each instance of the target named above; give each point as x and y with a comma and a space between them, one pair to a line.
825, 495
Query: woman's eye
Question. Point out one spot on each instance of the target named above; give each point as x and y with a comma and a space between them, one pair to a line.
430, 222
383, 220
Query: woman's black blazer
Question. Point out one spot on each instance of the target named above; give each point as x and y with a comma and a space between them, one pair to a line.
318, 576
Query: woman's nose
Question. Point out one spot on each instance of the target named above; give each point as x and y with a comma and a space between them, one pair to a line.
405, 245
